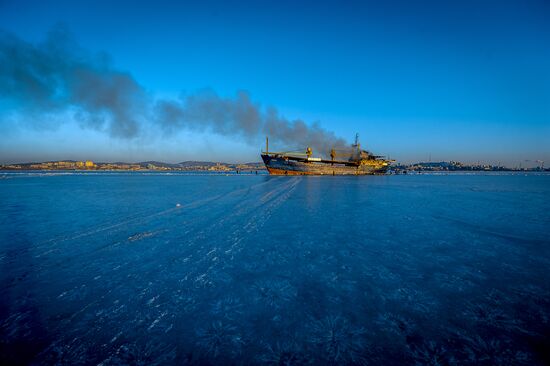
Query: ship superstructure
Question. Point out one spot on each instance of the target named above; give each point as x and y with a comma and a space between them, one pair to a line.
351, 161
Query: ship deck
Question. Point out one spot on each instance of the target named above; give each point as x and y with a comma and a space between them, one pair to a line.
316, 160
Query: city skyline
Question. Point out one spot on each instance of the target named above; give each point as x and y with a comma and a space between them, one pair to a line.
457, 81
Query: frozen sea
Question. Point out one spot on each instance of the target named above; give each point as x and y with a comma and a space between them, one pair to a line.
151, 268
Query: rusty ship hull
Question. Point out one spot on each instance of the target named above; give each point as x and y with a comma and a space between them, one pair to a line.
284, 165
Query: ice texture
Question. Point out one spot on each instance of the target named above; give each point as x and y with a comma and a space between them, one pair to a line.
151, 268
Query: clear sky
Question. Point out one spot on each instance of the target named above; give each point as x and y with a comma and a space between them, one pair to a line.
454, 80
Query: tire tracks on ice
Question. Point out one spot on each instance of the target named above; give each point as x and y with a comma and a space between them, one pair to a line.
254, 214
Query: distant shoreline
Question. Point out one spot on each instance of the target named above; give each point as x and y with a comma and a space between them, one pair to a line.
5, 172
208, 166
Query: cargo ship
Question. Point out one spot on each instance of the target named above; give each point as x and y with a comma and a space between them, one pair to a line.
351, 161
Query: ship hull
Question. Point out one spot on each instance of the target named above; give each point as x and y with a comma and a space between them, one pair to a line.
279, 165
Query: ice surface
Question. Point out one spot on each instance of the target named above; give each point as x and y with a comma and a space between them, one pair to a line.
137, 268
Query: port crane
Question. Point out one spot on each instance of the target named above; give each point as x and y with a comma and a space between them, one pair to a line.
540, 162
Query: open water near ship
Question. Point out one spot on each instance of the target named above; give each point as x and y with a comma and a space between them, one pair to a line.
151, 268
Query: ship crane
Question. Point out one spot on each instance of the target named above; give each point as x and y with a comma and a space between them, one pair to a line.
298, 152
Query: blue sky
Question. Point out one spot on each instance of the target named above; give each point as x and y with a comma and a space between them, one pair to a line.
464, 80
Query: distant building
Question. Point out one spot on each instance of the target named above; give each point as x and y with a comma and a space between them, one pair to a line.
219, 167
89, 164
65, 165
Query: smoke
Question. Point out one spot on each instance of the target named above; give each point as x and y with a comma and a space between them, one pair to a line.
240, 117
58, 76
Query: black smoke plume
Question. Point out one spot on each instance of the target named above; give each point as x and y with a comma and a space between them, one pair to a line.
59, 76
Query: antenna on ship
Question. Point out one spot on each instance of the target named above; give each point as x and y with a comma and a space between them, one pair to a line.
357, 145
266, 144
